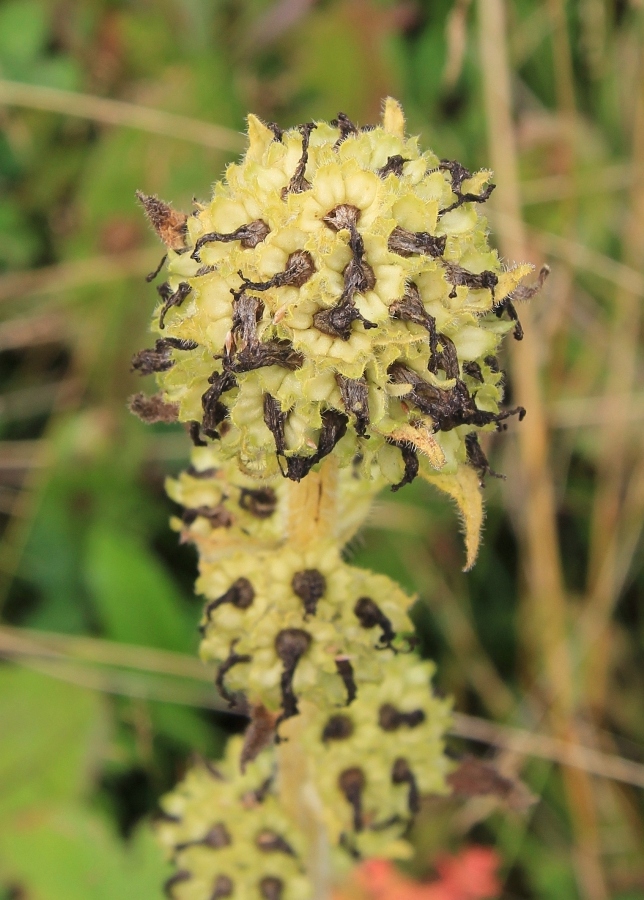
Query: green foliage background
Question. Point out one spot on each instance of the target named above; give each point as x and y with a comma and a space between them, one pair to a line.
88, 742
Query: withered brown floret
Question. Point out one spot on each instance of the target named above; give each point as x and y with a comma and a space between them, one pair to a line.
345, 671
169, 224
249, 236
337, 320
171, 298
391, 719
477, 458
153, 409
393, 166
152, 275
240, 594
290, 645
216, 838
457, 276
447, 408
410, 461
259, 502
218, 516
177, 878
245, 351
194, 430
369, 615
270, 842
298, 182
271, 888
214, 412
352, 783
309, 585
402, 774
443, 354
223, 887
334, 426
233, 659
299, 268
346, 126
522, 292
459, 174
407, 243
355, 397
338, 728
473, 370
158, 359
278, 133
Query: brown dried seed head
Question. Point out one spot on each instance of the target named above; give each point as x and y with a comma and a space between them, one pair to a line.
393, 166
355, 397
259, 734
391, 719
223, 886
240, 594
402, 774
369, 615
352, 782
153, 409
290, 644
407, 243
309, 585
298, 182
345, 671
217, 837
255, 233
270, 842
218, 516
337, 320
177, 878
338, 728
260, 503
342, 216
271, 888
301, 266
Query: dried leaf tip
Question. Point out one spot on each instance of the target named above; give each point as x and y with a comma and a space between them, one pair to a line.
465, 489
393, 118
169, 224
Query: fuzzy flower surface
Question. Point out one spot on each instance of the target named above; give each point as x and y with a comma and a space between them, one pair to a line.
338, 295
328, 326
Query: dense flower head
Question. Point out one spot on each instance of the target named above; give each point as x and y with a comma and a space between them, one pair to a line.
372, 760
227, 512
228, 835
293, 623
338, 295
329, 325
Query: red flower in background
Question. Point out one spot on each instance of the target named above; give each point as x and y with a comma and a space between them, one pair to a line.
470, 875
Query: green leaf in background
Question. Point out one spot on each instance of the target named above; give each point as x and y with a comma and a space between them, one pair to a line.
52, 845
79, 858
19, 246
187, 728
136, 600
51, 739
23, 34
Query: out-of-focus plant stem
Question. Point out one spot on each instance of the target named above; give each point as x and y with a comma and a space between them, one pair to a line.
613, 488
544, 578
312, 511
567, 164
117, 112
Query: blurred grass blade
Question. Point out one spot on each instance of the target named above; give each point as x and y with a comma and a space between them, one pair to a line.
117, 112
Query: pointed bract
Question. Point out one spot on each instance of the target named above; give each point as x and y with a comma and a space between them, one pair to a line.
169, 224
